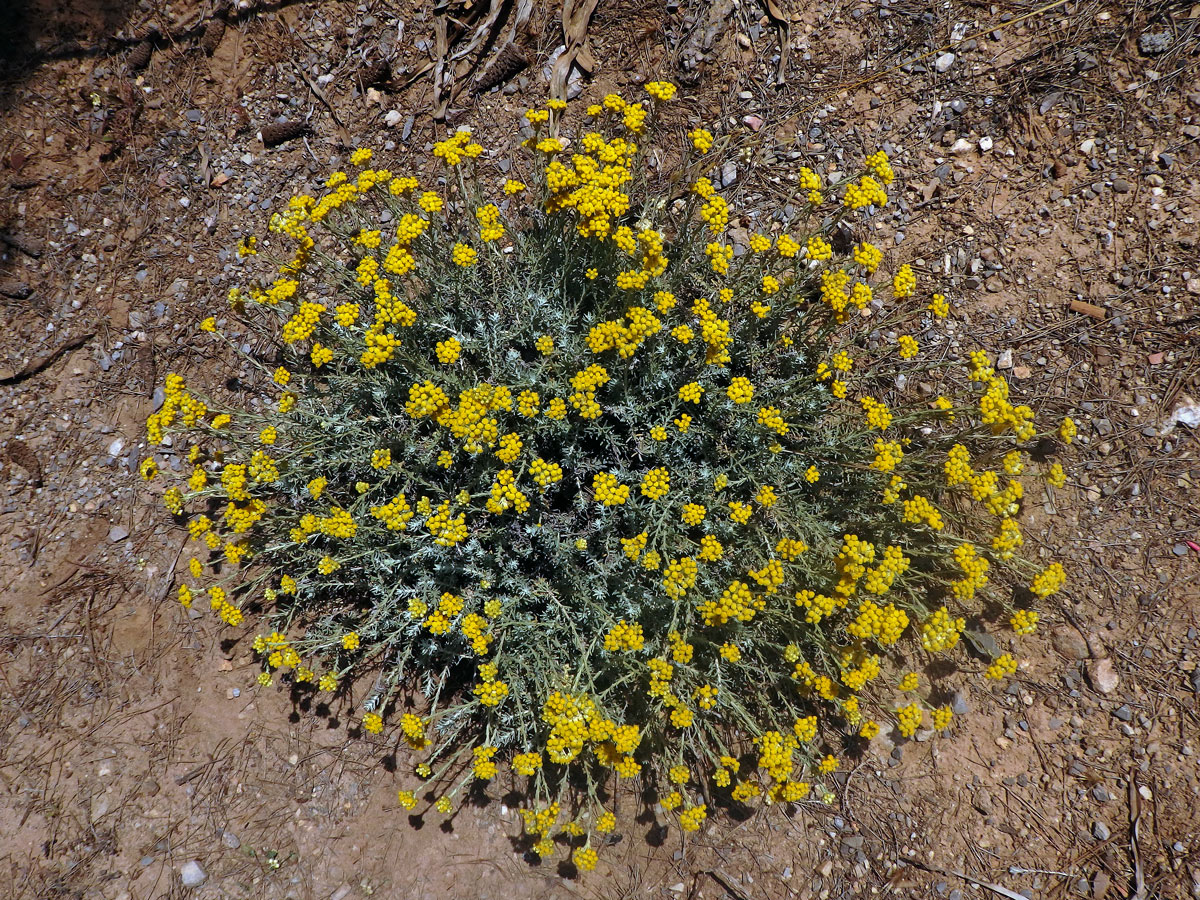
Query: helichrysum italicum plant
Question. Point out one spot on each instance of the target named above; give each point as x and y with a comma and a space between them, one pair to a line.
619, 500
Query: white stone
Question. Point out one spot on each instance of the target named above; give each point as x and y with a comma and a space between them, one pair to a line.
1004, 360
985, 144
944, 62
1103, 676
192, 875
392, 119
961, 146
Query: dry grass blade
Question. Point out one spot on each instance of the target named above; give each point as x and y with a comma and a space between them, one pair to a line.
575, 17
783, 24
342, 131
987, 885
40, 365
1135, 816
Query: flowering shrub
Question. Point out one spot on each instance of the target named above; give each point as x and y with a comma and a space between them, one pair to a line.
618, 498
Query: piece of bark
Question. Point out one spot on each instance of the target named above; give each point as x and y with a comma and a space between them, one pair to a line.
139, 56
18, 452
506, 65
376, 74
18, 290
281, 132
211, 39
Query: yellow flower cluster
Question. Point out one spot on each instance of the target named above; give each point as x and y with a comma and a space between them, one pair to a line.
1024, 621
1049, 581
888, 455
941, 632
608, 489
737, 602
625, 339
974, 568
1002, 666
624, 636
656, 483
909, 718
456, 148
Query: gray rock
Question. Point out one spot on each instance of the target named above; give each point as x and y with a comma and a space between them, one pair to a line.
230, 840
118, 533
1152, 43
192, 875
1121, 186
729, 173
983, 801
1101, 831
1124, 713
959, 705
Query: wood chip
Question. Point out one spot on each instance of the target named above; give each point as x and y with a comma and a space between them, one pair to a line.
1088, 309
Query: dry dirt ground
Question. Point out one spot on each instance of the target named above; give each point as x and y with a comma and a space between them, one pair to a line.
1051, 183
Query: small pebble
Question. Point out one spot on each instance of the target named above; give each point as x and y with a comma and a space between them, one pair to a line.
192, 875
